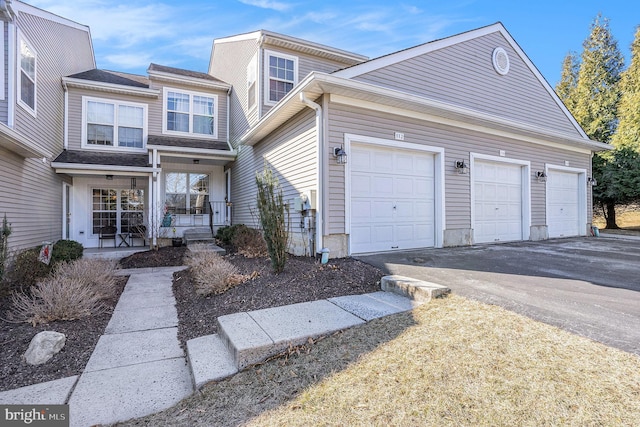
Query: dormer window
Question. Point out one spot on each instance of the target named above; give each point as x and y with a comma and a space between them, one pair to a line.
187, 112
27, 76
282, 75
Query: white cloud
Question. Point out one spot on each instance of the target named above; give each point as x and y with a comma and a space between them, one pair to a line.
127, 61
267, 4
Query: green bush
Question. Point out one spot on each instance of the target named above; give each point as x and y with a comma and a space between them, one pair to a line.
66, 250
226, 234
27, 270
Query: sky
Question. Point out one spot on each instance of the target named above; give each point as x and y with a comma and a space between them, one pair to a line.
129, 35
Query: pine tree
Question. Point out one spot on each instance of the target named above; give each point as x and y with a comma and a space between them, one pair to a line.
628, 133
566, 87
597, 90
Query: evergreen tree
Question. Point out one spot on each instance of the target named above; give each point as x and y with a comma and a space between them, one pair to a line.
566, 87
628, 133
597, 90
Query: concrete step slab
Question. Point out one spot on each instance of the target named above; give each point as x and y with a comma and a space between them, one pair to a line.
54, 392
247, 342
417, 290
209, 359
142, 319
113, 351
118, 394
367, 307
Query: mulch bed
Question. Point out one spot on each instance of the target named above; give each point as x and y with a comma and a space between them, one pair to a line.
304, 279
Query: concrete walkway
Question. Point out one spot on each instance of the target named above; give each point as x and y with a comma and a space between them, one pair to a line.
138, 367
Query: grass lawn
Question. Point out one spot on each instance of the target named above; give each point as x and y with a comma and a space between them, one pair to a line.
450, 362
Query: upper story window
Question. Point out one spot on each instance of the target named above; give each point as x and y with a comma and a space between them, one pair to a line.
282, 75
27, 76
109, 123
252, 74
190, 113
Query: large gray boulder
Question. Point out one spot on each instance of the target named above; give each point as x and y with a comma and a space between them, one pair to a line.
43, 346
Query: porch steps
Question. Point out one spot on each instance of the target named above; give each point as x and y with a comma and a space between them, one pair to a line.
198, 235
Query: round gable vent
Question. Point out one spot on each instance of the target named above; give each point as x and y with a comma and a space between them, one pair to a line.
500, 61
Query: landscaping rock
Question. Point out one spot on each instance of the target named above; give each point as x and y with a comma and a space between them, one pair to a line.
43, 346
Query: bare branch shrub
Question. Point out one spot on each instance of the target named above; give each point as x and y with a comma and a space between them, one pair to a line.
211, 273
249, 242
97, 274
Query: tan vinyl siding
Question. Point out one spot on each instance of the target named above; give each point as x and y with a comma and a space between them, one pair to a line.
61, 51
31, 196
155, 107
229, 64
291, 152
463, 74
458, 144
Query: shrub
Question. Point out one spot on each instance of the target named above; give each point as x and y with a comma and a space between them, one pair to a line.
27, 270
211, 273
66, 250
249, 242
273, 213
5, 232
75, 289
226, 234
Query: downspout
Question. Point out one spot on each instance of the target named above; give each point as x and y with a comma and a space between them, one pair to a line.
319, 190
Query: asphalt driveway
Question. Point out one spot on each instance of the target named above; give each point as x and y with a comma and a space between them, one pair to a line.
588, 286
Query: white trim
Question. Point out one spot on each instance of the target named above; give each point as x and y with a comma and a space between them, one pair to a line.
403, 55
91, 169
526, 189
227, 175
19, 6
216, 106
2, 62
582, 194
65, 187
468, 125
33, 111
267, 78
255, 35
182, 79
110, 87
439, 180
116, 147
65, 131
11, 75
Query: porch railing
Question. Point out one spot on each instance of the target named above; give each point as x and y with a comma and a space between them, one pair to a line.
219, 214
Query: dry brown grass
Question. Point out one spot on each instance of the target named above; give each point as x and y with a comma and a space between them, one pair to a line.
451, 362
98, 274
211, 273
626, 217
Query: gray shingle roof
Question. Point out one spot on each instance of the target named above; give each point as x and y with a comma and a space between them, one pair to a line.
113, 77
106, 159
182, 72
171, 141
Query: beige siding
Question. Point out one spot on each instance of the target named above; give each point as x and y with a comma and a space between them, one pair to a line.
458, 145
229, 64
155, 107
291, 152
31, 196
61, 51
463, 75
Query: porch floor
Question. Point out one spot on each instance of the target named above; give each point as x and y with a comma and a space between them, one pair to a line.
113, 253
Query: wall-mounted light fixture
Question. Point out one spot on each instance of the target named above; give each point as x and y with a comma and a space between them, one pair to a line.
196, 161
109, 177
541, 176
592, 181
461, 166
340, 155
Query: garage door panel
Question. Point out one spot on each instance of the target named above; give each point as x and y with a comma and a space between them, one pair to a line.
563, 203
392, 199
498, 202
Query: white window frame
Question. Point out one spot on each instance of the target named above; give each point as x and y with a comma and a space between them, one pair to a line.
191, 94
267, 78
252, 83
31, 110
116, 144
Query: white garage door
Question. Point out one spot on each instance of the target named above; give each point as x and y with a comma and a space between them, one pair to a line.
563, 203
392, 199
498, 201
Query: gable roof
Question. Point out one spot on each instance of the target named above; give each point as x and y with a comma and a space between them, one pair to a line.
296, 44
181, 72
403, 55
179, 75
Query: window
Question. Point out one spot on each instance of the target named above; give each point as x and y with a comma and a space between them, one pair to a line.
282, 72
120, 208
109, 123
187, 193
27, 76
190, 112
